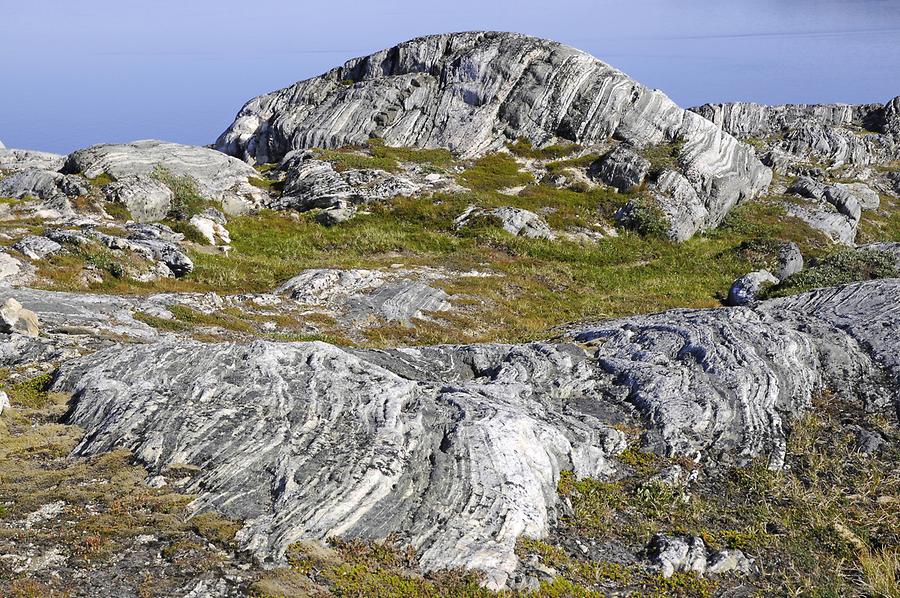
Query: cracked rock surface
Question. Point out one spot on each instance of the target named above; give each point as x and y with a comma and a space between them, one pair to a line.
459, 448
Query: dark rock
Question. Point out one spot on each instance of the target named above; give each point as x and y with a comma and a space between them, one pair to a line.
621, 168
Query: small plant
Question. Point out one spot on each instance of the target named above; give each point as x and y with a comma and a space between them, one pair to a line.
187, 200
843, 267
644, 217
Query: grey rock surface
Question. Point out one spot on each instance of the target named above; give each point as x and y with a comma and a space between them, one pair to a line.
218, 177
677, 553
746, 288
790, 261
475, 92
15, 319
833, 209
312, 183
622, 168
19, 159
36, 248
359, 295
515, 221
53, 188
679, 201
837, 133
13, 271
336, 215
147, 199
458, 449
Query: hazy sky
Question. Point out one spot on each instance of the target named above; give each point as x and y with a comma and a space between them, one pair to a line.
78, 73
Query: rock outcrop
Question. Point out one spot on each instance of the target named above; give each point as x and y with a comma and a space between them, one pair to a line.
476, 92
458, 449
217, 177
515, 221
357, 296
147, 199
19, 159
53, 188
836, 133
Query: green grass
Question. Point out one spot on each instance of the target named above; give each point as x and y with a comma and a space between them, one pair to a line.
524, 149
493, 172
819, 527
663, 156
582, 162
102, 179
187, 201
842, 267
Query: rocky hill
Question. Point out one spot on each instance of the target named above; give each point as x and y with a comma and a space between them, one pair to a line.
474, 93
476, 313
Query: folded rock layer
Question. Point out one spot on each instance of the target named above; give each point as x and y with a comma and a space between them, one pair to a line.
475, 92
458, 449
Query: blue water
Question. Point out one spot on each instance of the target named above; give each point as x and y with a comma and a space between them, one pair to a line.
78, 73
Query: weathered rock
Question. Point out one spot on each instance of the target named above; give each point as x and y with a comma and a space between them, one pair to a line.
865, 196
18, 159
844, 201
15, 319
13, 271
36, 248
147, 199
836, 133
834, 209
51, 187
729, 561
476, 92
336, 215
677, 553
4, 402
218, 177
808, 187
746, 288
515, 221
314, 183
790, 261
622, 168
211, 223
359, 295
459, 449
678, 200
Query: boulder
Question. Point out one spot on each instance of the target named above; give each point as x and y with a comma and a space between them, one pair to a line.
357, 296
4, 402
808, 187
15, 319
211, 224
217, 177
677, 553
476, 92
678, 200
515, 221
747, 287
790, 261
314, 183
36, 248
729, 561
13, 271
147, 199
622, 168
844, 201
53, 188
336, 215
865, 196
17, 159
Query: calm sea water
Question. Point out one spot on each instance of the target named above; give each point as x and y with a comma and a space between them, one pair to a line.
78, 73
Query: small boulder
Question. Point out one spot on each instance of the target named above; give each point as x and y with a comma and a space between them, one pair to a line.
865, 196
4, 402
844, 201
15, 319
729, 561
746, 288
790, 260
336, 215
37, 248
621, 168
14, 271
147, 199
677, 553
516, 221
211, 224
808, 187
